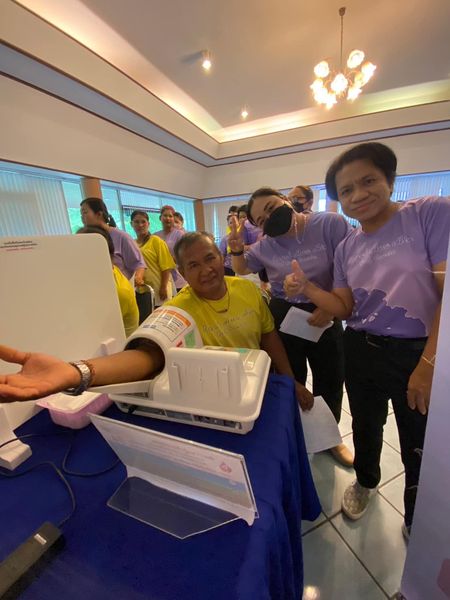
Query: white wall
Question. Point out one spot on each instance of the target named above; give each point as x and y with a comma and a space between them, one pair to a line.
37, 129
40, 130
417, 153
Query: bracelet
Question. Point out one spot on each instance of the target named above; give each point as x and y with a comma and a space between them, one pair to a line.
429, 361
237, 253
87, 372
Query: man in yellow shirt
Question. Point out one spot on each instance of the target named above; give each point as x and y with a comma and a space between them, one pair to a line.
228, 312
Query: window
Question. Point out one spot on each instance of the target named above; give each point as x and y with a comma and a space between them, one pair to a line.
42, 202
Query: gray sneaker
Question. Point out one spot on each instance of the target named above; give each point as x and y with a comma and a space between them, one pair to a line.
356, 500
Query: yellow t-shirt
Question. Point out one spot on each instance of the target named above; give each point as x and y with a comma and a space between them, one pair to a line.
127, 301
157, 258
245, 318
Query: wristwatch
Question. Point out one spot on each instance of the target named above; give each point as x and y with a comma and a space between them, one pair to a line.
240, 253
87, 373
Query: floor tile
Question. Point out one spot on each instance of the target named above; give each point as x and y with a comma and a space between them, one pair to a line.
332, 572
345, 404
345, 424
390, 434
391, 462
308, 525
378, 542
393, 492
330, 480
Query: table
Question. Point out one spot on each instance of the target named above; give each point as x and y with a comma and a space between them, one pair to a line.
109, 555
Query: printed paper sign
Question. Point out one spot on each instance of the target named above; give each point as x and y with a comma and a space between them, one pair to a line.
201, 472
296, 323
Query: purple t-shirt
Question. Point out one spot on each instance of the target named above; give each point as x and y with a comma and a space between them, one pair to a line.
389, 270
171, 239
224, 251
314, 250
253, 233
127, 255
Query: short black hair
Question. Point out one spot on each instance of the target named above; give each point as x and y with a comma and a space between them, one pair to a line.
179, 216
137, 213
102, 232
262, 192
243, 208
233, 209
378, 154
188, 240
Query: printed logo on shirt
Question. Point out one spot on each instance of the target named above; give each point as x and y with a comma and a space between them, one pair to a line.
380, 251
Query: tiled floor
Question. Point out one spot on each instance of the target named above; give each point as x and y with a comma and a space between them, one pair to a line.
354, 560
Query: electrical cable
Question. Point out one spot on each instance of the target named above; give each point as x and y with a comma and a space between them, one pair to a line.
60, 475
77, 474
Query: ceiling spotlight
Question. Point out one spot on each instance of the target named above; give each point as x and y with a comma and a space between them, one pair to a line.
206, 60
244, 113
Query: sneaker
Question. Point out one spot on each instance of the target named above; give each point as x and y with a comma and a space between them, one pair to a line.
356, 500
342, 455
406, 530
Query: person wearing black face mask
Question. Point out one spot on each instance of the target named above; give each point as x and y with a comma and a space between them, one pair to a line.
301, 198
310, 238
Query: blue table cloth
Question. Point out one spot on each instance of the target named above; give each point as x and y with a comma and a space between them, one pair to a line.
109, 555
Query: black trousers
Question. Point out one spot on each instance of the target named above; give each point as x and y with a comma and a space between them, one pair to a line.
325, 357
376, 370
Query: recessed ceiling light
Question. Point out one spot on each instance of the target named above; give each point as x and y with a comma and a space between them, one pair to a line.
206, 60
244, 113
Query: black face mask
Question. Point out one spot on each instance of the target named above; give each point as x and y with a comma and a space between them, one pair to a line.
279, 222
298, 206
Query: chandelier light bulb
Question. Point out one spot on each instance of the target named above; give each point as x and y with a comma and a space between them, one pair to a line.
317, 84
346, 82
355, 58
339, 83
206, 61
322, 69
331, 101
321, 96
353, 93
244, 113
367, 70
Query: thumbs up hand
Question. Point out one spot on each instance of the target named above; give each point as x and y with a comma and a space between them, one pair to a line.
295, 282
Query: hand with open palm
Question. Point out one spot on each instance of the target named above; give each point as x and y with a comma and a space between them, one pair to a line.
41, 375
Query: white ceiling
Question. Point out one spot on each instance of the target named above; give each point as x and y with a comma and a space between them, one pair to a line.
263, 51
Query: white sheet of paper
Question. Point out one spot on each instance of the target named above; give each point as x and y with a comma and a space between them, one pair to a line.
319, 427
296, 323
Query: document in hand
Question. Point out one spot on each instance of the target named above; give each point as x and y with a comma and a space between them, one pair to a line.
319, 427
296, 323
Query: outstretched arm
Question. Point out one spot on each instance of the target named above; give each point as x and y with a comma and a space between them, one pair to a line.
42, 374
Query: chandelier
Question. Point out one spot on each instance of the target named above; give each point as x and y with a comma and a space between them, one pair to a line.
331, 85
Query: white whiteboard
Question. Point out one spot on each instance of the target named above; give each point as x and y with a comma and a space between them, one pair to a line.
57, 295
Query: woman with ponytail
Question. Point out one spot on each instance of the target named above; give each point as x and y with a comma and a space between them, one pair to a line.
126, 255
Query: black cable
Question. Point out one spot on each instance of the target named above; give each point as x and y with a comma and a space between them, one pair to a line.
64, 469
60, 475
28, 435
75, 473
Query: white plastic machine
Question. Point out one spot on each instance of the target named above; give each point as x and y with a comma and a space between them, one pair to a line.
220, 388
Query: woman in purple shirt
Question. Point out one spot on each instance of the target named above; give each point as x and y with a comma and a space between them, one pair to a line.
388, 283
312, 239
170, 234
127, 255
